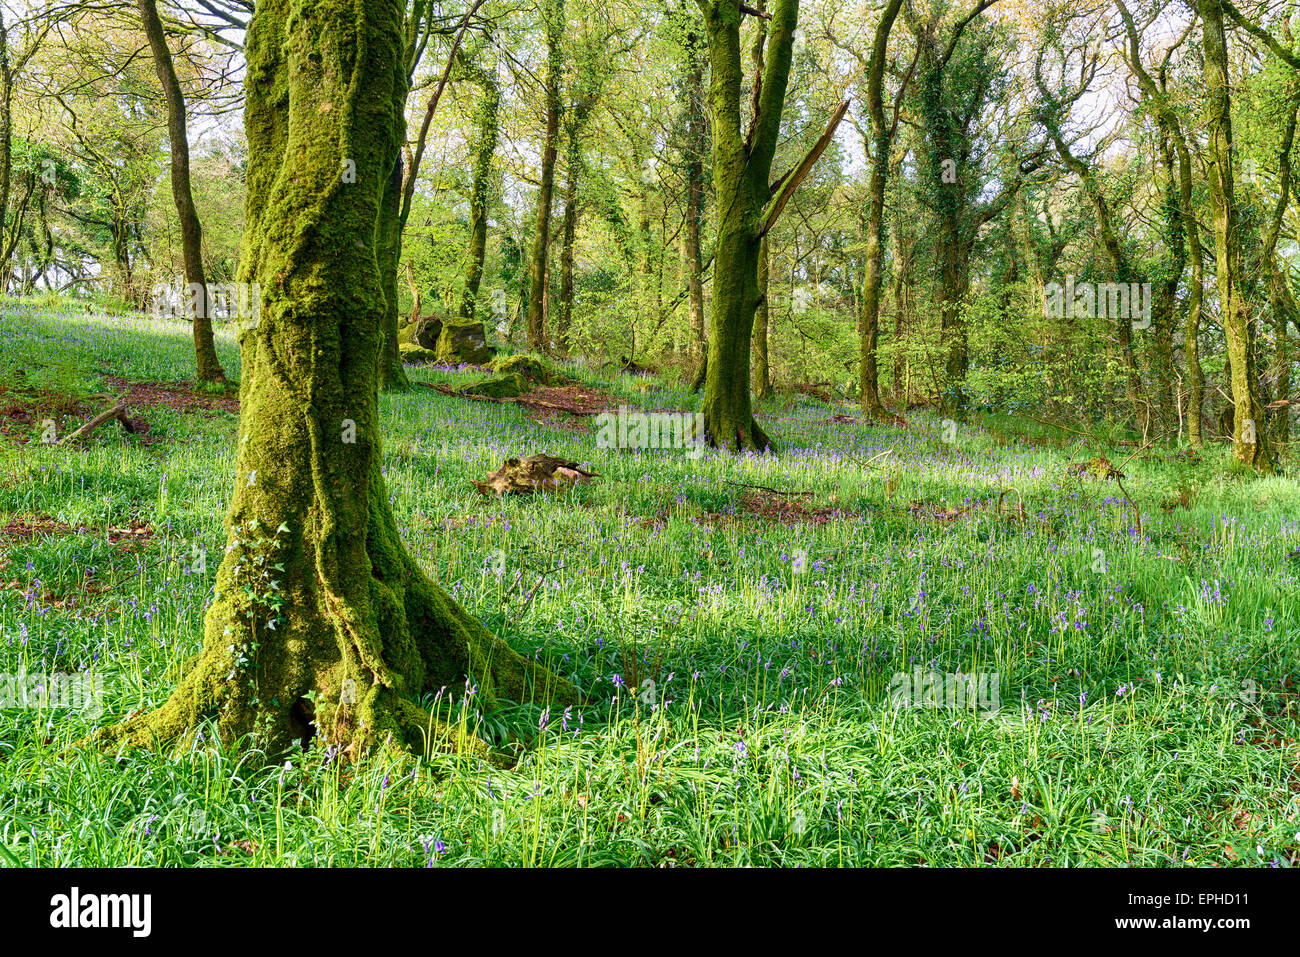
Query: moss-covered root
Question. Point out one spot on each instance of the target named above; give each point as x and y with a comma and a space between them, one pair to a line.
198, 696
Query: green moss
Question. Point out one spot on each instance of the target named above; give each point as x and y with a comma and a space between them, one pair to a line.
463, 342
498, 387
529, 366
413, 354
322, 624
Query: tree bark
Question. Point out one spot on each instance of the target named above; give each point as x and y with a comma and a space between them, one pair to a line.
208, 366
554, 16
742, 166
696, 143
762, 372
882, 137
323, 625
1250, 444
481, 189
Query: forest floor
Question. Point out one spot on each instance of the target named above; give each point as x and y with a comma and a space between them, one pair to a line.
742, 640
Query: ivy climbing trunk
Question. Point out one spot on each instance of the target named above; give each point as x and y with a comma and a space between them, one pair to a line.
568, 236
481, 188
323, 625
208, 366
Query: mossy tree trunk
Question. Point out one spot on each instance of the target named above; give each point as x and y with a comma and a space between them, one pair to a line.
953, 81
1249, 440
388, 237
1185, 226
697, 141
742, 165
762, 370
553, 14
488, 123
882, 139
323, 624
575, 124
208, 366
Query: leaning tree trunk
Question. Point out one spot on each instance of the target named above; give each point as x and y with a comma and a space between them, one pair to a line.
205, 351
323, 625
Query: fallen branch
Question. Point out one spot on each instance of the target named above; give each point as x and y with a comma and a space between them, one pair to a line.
772, 490
118, 411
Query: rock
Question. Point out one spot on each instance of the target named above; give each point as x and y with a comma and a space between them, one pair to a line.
530, 367
463, 342
499, 387
423, 332
413, 353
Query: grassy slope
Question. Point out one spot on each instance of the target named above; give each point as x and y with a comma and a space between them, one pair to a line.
1122, 736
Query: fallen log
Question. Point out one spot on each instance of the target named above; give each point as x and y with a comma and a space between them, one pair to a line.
117, 411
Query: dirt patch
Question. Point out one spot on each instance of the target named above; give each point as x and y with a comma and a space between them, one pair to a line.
26, 528
787, 509
179, 396
563, 405
22, 413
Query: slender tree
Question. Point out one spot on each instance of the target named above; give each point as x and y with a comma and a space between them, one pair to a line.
553, 14
882, 137
1249, 440
205, 351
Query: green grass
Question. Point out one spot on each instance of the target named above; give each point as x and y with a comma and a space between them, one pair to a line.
1147, 681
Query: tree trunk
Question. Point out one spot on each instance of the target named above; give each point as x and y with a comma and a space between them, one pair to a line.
697, 142
481, 190
554, 16
323, 625
882, 137
742, 165
568, 235
392, 373
762, 373
1162, 314
1249, 440
205, 351
6, 129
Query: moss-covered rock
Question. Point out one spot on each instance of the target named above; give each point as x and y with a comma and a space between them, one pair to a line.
413, 353
463, 341
528, 366
498, 387
423, 332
